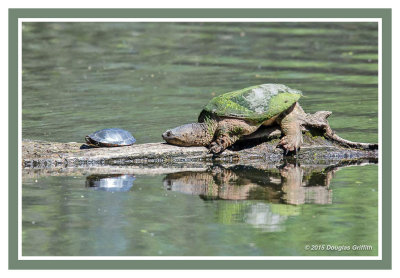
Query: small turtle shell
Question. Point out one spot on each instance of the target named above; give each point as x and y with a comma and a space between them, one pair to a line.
110, 137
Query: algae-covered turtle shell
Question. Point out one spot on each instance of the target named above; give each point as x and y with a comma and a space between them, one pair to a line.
256, 103
110, 137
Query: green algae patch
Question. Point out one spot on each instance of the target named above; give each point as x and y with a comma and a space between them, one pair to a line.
229, 104
256, 103
280, 103
237, 130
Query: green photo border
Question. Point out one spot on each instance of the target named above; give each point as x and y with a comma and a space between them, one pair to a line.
385, 144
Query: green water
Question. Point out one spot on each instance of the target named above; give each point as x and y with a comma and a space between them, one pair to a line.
148, 77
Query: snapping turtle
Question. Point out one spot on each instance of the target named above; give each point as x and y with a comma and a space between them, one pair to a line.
110, 137
230, 116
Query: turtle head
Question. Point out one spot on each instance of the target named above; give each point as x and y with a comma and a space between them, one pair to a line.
196, 134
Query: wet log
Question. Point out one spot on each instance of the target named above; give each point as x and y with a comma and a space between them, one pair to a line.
260, 147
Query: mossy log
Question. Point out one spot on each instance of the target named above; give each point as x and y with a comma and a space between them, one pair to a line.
260, 147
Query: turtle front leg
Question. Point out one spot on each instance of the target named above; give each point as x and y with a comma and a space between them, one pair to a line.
228, 132
222, 142
291, 128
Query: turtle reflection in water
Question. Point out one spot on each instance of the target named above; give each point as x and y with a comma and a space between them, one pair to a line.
111, 182
290, 184
268, 196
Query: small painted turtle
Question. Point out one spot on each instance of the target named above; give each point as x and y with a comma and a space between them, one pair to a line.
110, 137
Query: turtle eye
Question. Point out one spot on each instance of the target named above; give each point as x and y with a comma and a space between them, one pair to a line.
168, 133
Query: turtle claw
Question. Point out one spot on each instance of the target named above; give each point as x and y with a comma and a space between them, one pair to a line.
289, 144
215, 148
